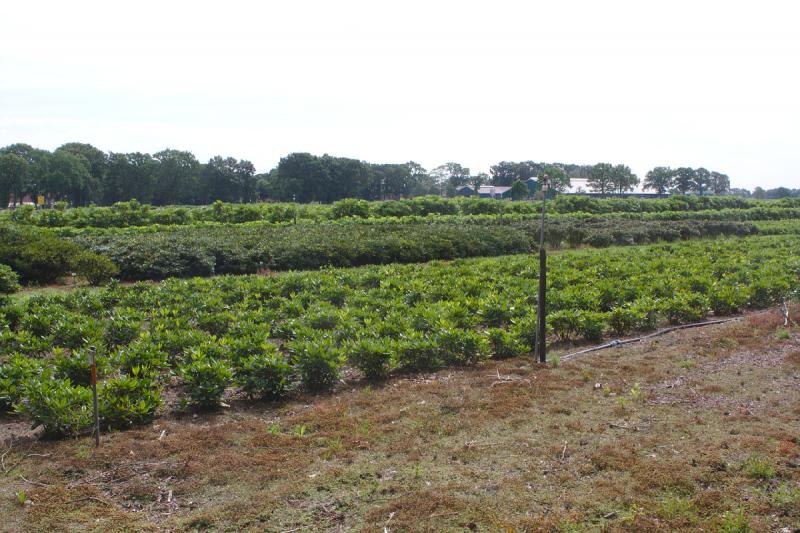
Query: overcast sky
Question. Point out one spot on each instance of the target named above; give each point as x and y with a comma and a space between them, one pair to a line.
679, 83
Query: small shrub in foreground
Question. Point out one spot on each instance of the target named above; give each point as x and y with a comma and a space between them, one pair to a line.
263, 375
61, 408
206, 380
128, 401
9, 281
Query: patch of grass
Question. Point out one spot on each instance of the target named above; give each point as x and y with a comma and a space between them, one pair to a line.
636, 393
735, 521
676, 508
758, 467
782, 334
688, 364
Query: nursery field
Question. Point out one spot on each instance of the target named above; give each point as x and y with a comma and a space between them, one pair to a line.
261, 400
695, 430
200, 341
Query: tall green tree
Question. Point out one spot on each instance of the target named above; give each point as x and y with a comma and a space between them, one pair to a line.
423, 182
450, 176
229, 180
720, 183
684, 180
177, 178
558, 180
505, 173
660, 179
36, 169
701, 181
13, 172
601, 178
623, 179
98, 166
69, 178
518, 190
130, 176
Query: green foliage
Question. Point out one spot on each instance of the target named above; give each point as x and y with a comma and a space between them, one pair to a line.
757, 467
15, 373
61, 408
9, 281
350, 208
95, 268
372, 356
460, 346
142, 357
263, 375
301, 327
686, 307
77, 367
735, 521
127, 401
317, 360
206, 379
505, 344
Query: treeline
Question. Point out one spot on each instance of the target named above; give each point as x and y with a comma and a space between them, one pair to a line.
81, 174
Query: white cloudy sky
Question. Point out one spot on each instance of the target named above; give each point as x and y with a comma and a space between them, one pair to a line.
698, 83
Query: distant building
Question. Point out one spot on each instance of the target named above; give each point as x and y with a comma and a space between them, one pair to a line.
494, 191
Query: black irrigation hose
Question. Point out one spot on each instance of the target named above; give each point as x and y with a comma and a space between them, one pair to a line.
618, 342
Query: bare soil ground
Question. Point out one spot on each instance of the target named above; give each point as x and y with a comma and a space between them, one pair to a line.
695, 430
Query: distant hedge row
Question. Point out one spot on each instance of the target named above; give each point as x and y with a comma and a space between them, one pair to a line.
135, 214
202, 251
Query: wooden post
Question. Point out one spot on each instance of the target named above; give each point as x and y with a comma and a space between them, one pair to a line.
541, 341
94, 400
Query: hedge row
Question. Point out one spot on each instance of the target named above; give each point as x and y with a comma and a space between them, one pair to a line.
203, 251
134, 214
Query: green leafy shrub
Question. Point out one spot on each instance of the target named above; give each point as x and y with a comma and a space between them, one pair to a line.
127, 401
318, 362
95, 268
61, 408
624, 319
14, 374
460, 346
122, 328
350, 208
206, 380
566, 323
727, 299
684, 308
525, 329
505, 344
417, 351
263, 375
372, 356
142, 356
77, 367
9, 281
593, 325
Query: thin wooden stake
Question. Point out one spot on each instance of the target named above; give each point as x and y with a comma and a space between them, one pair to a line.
94, 401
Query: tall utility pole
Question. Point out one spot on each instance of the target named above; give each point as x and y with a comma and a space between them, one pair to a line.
541, 341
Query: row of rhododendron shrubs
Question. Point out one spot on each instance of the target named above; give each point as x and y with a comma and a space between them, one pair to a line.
272, 336
203, 251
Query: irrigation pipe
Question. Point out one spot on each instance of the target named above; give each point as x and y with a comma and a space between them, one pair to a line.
618, 342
